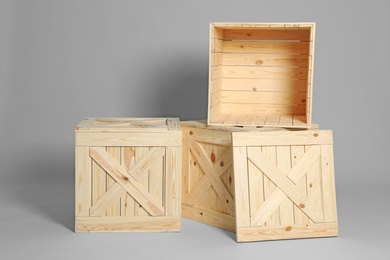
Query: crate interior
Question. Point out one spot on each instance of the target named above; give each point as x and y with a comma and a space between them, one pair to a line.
260, 75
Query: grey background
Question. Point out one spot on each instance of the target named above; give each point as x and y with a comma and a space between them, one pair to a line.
64, 60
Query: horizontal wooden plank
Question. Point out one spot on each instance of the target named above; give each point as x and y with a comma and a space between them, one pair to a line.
128, 224
247, 234
210, 217
280, 98
282, 85
207, 136
263, 109
307, 137
216, 59
124, 125
216, 72
264, 26
255, 72
215, 98
265, 47
251, 34
170, 138
215, 85
264, 59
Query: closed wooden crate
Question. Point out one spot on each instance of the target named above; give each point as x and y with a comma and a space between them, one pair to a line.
261, 74
263, 184
128, 174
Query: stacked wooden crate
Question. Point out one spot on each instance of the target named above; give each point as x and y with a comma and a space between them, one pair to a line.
260, 168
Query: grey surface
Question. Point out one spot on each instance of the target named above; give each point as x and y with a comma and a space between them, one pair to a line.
64, 60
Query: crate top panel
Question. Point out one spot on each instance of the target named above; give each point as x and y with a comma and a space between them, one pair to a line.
128, 125
260, 74
202, 124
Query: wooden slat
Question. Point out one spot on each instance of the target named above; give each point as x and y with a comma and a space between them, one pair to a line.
267, 34
232, 118
272, 120
284, 164
83, 181
216, 45
253, 85
215, 99
125, 180
256, 72
297, 151
286, 185
265, 47
308, 137
210, 217
259, 120
133, 224
143, 180
279, 98
115, 209
186, 188
267, 109
170, 138
215, 59
207, 136
215, 85
156, 178
286, 120
287, 232
269, 153
146, 161
265, 59
241, 192
98, 183
216, 72
127, 161
328, 183
313, 181
108, 200
256, 190
173, 157
246, 119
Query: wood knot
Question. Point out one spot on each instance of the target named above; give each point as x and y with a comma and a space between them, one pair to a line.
254, 89
248, 34
288, 229
259, 62
315, 134
303, 100
194, 163
230, 179
191, 133
227, 201
125, 178
212, 157
310, 185
201, 213
221, 163
302, 206
241, 46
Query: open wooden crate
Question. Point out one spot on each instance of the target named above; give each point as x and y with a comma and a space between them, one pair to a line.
261, 74
264, 184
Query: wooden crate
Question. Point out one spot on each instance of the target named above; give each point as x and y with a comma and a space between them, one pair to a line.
263, 184
261, 74
128, 174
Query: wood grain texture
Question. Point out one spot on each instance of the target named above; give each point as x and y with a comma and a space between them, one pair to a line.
173, 159
287, 232
128, 224
83, 181
265, 47
253, 72
241, 187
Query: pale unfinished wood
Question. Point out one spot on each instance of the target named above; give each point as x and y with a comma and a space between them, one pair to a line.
278, 181
124, 177
287, 232
257, 58
83, 181
134, 224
